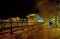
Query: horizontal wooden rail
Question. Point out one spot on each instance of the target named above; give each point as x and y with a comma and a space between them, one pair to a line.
11, 27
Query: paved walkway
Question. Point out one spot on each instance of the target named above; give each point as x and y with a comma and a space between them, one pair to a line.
40, 34
46, 33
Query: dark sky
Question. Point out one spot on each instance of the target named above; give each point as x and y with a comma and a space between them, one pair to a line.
21, 8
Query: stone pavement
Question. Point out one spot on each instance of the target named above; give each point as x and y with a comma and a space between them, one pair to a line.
50, 33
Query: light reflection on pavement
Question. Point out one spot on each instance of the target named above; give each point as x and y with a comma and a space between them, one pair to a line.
46, 33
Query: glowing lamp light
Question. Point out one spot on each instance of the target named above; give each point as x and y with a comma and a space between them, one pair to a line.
52, 19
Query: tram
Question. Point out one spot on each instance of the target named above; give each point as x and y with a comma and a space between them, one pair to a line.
34, 18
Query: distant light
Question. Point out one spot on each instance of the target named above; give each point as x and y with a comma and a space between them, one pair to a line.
40, 21
52, 19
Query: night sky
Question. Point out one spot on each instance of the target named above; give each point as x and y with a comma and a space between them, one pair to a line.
21, 8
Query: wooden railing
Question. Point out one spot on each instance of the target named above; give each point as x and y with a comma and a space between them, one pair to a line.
10, 27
